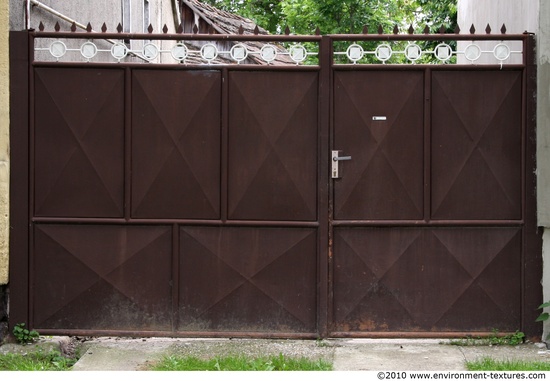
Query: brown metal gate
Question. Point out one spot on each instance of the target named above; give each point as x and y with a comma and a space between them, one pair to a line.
191, 200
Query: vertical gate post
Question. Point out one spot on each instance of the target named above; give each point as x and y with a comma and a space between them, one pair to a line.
325, 247
532, 250
19, 180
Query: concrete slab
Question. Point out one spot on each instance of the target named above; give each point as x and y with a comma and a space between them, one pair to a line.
121, 355
397, 355
502, 352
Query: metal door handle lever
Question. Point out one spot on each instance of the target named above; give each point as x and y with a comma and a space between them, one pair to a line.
335, 163
338, 158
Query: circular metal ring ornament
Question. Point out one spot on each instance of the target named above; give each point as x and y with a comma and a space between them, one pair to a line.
88, 50
238, 52
472, 52
268, 53
179, 52
383, 52
209, 52
150, 51
119, 51
355, 52
413, 52
298, 53
58, 49
443, 52
501, 52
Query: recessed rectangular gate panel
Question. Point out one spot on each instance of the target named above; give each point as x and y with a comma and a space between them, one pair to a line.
176, 134
379, 122
429, 279
252, 279
102, 277
476, 145
79, 132
273, 131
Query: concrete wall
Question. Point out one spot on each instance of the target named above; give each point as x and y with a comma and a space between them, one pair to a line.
518, 16
4, 142
543, 142
4, 166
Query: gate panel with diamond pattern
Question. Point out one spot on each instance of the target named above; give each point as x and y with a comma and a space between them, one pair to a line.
389, 277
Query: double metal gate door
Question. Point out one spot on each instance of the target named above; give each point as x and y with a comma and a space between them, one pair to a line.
295, 201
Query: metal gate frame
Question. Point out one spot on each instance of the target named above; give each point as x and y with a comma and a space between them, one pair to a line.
22, 220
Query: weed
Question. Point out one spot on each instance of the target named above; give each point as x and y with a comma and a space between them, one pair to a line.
487, 363
322, 343
23, 335
39, 360
240, 363
544, 315
494, 339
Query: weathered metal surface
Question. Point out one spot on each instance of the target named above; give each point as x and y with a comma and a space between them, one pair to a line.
102, 277
176, 124
79, 140
477, 145
196, 200
248, 279
444, 279
272, 146
378, 121
458, 146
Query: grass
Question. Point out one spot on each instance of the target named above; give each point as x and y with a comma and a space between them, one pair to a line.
486, 364
39, 360
240, 363
495, 339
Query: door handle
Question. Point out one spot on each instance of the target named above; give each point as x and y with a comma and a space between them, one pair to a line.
335, 166
338, 158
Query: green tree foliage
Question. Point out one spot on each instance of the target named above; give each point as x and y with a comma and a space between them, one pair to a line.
343, 16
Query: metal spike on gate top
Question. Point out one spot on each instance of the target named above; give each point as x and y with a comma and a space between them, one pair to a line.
150, 28
411, 29
365, 30
503, 29
180, 28
73, 27
317, 31
119, 28
287, 30
457, 29
195, 29
41, 27
165, 29
89, 28
472, 29
380, 29
57, 27
442, 29
241, 29
104, 28
395, 30
256, 30
488, 29
426, 29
